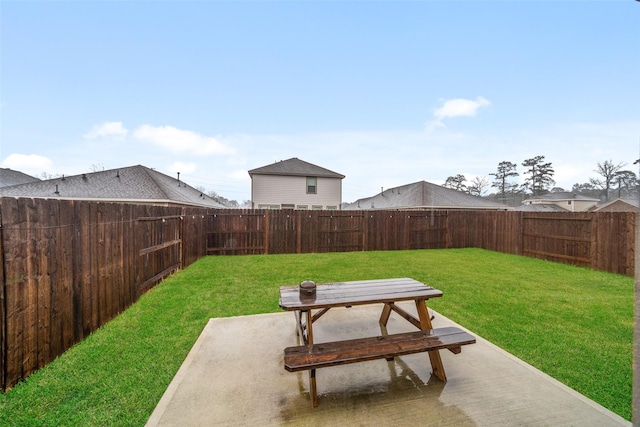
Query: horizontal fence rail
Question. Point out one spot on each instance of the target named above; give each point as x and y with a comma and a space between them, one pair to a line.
68, 267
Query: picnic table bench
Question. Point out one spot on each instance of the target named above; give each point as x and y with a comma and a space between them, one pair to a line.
311, 356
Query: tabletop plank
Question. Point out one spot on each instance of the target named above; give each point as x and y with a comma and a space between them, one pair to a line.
340, 294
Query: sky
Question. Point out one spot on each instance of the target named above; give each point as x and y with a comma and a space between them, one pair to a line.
385, 93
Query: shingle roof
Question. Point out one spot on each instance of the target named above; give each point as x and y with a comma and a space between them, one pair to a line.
423, 195
132, 184
10, 177
295, 167
541, 207
561, 195
626, 205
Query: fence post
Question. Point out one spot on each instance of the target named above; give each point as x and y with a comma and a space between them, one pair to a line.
298, 230
3, 311
593, 245
635, 408
266, 231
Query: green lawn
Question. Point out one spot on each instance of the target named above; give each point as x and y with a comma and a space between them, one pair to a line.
574, 324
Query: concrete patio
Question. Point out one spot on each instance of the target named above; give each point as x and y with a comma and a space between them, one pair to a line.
234, 376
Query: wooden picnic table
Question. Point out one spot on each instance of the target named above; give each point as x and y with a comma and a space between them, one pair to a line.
346, 294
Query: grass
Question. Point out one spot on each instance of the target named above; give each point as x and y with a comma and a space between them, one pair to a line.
574, 324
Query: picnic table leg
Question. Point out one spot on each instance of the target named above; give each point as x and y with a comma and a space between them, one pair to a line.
434, 355
313, 391
386, 312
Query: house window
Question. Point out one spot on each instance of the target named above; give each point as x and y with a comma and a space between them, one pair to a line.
287, 206
273, 207
302, 207
312, 182
316, 207
332, 208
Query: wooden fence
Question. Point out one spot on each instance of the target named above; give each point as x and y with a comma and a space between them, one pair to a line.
68, 267
602, 241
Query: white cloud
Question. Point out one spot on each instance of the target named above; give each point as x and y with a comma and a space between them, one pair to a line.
107, 129
456, 108
460, 107
181, 141
31, 164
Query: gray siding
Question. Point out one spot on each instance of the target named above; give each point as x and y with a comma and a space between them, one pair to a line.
292, 190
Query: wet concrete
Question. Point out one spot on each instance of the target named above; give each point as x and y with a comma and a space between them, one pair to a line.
234, 375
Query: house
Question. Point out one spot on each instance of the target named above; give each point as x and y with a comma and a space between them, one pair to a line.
563, 199
295, 184
618, 205
10, 177
133, 184
423, 195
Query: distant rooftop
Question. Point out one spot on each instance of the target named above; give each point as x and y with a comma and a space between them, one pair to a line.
295, 167
560, 196
136, 184
10, 177
423, 195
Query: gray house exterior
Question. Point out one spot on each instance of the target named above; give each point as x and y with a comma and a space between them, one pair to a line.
295, 184
133, 184
423, 195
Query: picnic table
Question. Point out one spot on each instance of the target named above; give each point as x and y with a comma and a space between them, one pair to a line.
311, 356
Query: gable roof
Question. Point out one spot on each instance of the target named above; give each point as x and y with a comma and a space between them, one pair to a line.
423, 195
619, 205
560, 196
541, 207
137, 184
10, 177
295, 167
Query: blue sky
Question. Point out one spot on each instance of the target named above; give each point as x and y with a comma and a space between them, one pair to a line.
385, 93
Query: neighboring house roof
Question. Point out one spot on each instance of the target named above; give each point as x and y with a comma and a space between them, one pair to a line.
10, 177
295, 167
137, 184
541, 207
423, 195
559, 196
618, 205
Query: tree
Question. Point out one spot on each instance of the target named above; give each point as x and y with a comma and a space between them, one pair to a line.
46, 176
626, 182
456, 182
478, 186
505, 171
586, 189
540, 175
607, 171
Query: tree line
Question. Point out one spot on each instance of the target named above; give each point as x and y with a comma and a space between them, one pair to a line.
612, 181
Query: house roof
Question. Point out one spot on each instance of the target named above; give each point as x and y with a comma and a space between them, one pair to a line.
423, 195
560, 196
541, 207
295, 167
619, 205
132, 184
10, 177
